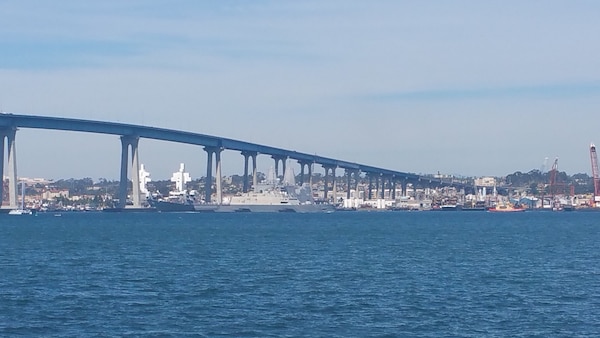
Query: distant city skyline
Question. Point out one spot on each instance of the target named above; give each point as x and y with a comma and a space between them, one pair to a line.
465, 87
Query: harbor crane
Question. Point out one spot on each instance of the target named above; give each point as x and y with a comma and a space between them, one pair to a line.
558, 188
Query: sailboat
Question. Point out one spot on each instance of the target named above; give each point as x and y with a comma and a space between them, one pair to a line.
21, 210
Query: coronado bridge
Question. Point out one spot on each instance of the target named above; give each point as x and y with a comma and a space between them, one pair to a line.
214, 145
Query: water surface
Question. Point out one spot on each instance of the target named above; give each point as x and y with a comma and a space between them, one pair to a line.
363, 274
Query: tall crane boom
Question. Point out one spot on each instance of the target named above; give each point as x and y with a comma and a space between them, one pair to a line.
595, 174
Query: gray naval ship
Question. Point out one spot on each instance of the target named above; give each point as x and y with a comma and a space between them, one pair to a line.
271, 195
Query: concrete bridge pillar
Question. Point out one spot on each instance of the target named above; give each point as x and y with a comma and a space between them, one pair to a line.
370, 195
392, 184
135, 174
218, 178
208, 184
247, 155
10, 135
126, 142
284, 164
12, 169
326, 182
334, 186
283, 161
301, 172
356, 182
123, 177
377, 190
2, 137
245, 184
254, 170
310, 175
348, 183
404, 185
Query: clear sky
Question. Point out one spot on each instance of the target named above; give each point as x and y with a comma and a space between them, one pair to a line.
459, 87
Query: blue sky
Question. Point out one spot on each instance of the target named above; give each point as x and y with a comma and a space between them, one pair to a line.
459, 87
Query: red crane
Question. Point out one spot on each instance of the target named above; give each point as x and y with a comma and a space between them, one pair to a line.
595, 174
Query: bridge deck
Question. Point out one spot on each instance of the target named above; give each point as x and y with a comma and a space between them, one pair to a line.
123, 129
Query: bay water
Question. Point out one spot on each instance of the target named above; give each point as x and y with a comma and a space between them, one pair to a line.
345, 274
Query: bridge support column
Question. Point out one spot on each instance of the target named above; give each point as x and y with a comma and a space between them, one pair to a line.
208, 185
326, 182
393, 188
348, 183
245, 186
218, 179
276, 159
377, 186
247, 155
123, 178
370, 186
10, 135
404, 185
12, 169
135, 174
254, 171
2, 137
356, 182
310, 175
126, 142
334, 186
283, 164
301, 172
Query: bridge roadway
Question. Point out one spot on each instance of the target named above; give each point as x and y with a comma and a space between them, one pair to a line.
213, 145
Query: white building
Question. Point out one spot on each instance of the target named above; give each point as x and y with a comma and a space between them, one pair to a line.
485, 182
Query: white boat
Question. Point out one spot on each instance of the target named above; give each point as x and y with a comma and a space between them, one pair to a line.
19, 212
